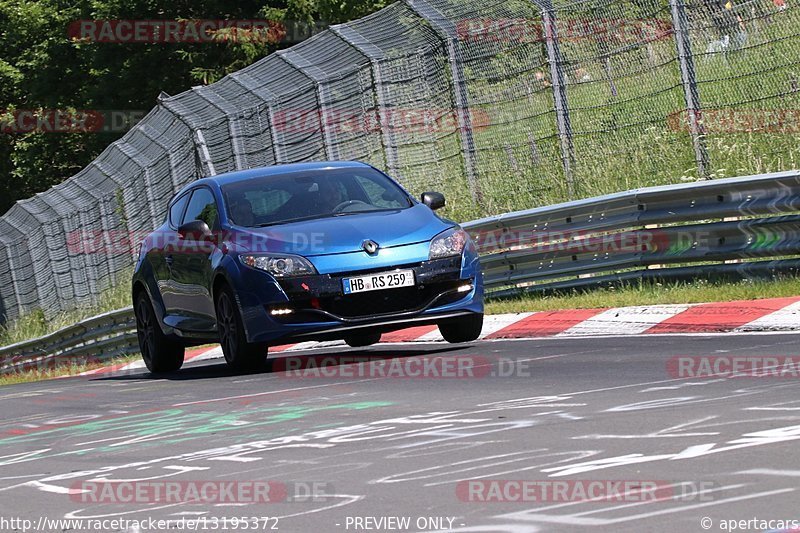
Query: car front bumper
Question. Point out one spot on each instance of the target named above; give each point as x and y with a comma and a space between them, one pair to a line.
316, 308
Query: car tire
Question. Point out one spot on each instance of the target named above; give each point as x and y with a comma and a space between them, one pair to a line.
366, 339
462, 329
240, 355
159, 352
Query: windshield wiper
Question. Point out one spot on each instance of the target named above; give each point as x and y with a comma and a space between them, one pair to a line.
314, 217
367, 211
288, 221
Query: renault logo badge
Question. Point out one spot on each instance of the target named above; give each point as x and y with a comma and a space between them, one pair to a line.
370, 246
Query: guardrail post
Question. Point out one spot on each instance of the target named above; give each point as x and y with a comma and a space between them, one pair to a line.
449, 33
690, 92
559, 86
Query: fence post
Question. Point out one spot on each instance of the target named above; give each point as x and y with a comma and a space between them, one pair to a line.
14, 282
448, 32
232, 115
693, 108
559, 85
203, 153
205, 163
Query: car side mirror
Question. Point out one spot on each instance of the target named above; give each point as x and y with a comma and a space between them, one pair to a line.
196, 230
434, 200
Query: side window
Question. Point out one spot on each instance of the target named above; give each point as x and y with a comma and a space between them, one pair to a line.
177, 210
202, 207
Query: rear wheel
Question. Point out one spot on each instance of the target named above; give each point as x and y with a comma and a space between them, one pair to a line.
366, 339
239, 354
462, 329
160, 353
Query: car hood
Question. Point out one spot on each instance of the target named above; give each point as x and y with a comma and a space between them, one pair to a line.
343, 234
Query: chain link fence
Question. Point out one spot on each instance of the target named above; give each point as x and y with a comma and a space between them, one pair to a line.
503, 105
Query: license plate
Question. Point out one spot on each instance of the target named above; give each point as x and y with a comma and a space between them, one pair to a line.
379, 281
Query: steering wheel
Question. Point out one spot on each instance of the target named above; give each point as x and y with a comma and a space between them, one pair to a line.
347, 203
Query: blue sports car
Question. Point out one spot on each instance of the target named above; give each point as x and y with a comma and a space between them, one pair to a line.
311, 251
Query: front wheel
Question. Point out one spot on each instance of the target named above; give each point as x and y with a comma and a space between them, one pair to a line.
462, 329
239, 354
160, 353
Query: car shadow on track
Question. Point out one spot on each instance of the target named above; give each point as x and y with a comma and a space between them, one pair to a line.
284, 364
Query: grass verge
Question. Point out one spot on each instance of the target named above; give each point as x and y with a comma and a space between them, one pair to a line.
649, 293
39, 374
35, 324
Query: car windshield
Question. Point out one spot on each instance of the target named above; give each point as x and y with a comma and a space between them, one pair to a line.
299, 196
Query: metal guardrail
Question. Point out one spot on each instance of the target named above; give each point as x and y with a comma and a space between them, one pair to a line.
592, 240
631, 235
92, 340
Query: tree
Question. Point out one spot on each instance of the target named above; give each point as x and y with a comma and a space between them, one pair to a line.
42, 68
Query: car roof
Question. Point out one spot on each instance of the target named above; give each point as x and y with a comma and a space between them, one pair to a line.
276, 170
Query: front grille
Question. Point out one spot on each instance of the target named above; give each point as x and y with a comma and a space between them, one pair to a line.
312, 297
377, 302
389, 301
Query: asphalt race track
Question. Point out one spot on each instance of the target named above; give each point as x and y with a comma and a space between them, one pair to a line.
608, 434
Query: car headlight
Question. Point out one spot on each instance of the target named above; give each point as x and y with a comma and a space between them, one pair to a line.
280, 266
448, 243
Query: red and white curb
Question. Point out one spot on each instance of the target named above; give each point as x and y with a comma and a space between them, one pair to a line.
774, 314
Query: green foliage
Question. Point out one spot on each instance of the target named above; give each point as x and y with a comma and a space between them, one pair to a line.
650, 293
35, 324
42, 68
70, 368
